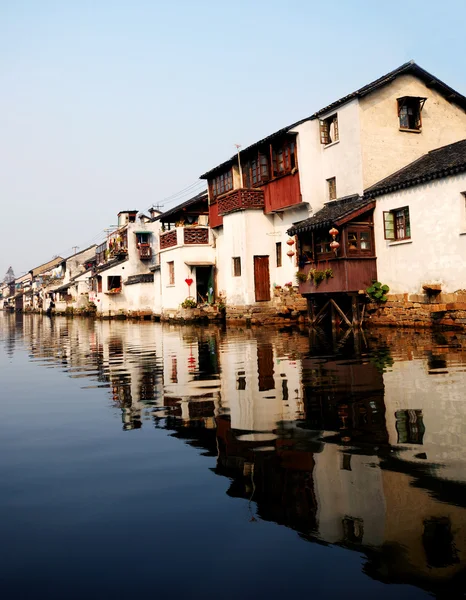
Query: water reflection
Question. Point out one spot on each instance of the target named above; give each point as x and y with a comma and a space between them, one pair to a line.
357, 443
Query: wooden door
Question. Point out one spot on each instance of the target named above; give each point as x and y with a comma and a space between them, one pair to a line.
261, 278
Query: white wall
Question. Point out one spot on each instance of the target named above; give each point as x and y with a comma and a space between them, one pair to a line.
436, 252
174, 295
250, 233
341, 159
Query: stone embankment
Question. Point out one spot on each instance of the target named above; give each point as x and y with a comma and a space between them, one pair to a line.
285, 308
446, 311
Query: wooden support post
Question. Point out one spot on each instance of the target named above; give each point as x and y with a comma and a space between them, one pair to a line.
310, 311
355, 310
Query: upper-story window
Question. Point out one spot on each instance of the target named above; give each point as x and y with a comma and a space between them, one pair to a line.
221, 184
256, 171
332, 188
397, 224
283, 157
329, 130
409, 112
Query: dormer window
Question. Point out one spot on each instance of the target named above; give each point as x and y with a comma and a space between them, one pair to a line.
329, 130
409, 112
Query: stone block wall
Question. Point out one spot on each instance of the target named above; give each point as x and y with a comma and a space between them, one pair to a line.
446, 311
286, 306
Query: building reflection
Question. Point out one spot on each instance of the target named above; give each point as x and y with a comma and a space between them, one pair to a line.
355, 442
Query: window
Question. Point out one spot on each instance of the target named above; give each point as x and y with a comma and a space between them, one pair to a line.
171, 273
113, 282
329, 130
396, 224
332, 188
236, 266
323, 244
359, 241
283, 157
221, 184
278, 253
256, 171
409, 112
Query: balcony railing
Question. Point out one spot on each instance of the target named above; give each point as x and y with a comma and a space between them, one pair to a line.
168, 239
196, 235
145, 251
240, 199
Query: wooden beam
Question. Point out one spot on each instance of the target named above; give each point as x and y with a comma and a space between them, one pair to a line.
345, 318
321, 311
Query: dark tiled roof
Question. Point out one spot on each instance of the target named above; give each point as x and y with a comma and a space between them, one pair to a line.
442, 162
141, 278
332, 212
108, 265
199, 198
409, 68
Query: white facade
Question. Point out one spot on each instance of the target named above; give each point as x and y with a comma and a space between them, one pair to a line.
137, 297
178, 263
341, 159
436, 250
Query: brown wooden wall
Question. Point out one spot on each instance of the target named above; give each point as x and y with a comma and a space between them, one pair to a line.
349, 275
281, 192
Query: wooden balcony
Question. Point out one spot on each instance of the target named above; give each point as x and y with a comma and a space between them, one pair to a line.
349, 275
241, 199
196, 235
168, 239
145, 251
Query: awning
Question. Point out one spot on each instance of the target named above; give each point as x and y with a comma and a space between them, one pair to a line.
199, 263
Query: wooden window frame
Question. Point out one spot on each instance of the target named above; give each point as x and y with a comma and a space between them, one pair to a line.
256, 171
221, 184
358, 251
171, 272
236, 266
391, 226
278, 254
112, 280
332, 188
325, 125
283, 158
405, 104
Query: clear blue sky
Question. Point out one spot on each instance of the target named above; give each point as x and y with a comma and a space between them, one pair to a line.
108, 104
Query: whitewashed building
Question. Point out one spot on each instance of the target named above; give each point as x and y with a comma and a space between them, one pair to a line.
123, 282
420, 223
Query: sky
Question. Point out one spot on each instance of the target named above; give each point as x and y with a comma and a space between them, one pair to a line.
109, 105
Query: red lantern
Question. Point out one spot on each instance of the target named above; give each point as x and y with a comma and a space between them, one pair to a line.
333, 232
334, 246
290, 253
290, 242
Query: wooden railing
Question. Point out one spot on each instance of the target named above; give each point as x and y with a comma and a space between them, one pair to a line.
240, 199
196, 235
145, 251
168, 239
349, 275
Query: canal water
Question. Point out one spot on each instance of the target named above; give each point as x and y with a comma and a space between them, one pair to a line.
147, 461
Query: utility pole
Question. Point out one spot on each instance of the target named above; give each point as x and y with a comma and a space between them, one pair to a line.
75, 248
238, 146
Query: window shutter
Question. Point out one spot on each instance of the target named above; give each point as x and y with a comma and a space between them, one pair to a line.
335, 125
323, 132
389, 225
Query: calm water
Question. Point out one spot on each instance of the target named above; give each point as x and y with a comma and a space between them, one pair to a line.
141, 461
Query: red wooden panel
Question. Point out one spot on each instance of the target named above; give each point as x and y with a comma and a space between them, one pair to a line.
282, 192
261, 278
215, 220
